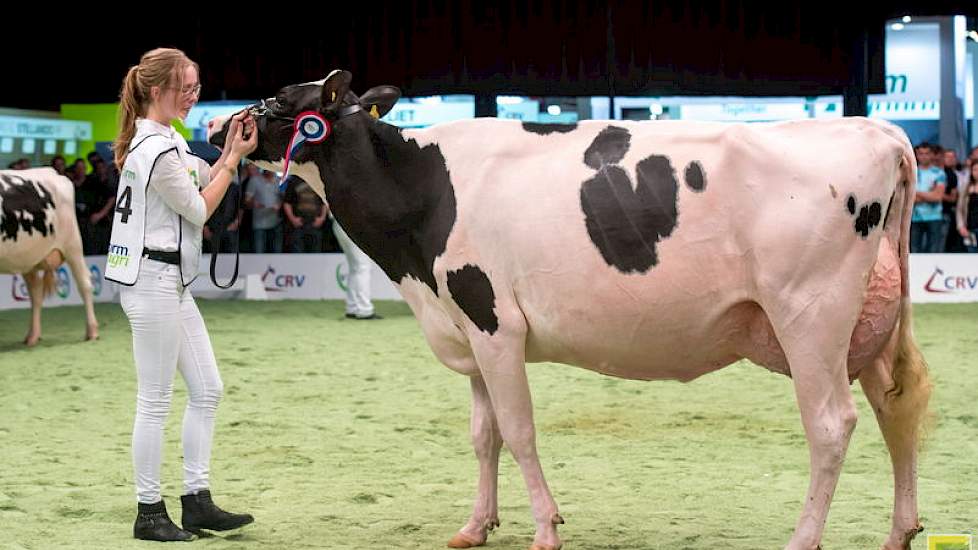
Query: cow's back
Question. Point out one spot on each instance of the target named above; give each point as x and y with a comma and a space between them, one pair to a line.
729, 215
38, 214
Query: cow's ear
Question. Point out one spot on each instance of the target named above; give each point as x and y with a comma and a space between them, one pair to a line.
334, 89
379, 100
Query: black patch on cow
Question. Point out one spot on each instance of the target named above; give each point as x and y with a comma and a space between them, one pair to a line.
625, 221
544, 129
23, 207
472, 291
695, 177
869, 215
851, 204
609, 147
393, 197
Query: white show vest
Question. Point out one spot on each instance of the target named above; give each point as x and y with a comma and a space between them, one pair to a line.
129, 218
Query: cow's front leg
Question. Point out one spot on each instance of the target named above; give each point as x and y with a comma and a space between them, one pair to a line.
501, 360
35, 288
487, 441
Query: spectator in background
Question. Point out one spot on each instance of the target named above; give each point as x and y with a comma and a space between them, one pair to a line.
227, 216
100, 191
358, 304
13, 165
967, 212
76, 173
250, 171
246, 228
949, 201
306, 214
77, 169
93, 159
960, 169
957, 179
927, 220
264, 199
58, 163
19, 164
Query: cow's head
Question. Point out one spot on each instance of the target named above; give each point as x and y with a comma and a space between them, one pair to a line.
331, 97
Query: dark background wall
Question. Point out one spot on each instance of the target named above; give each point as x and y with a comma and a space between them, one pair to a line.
533, 47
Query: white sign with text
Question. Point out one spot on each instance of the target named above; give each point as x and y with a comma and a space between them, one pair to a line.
940, 278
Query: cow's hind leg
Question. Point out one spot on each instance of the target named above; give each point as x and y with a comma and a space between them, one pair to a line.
35, 289
899, 409
487, 441
83, 277
816, 344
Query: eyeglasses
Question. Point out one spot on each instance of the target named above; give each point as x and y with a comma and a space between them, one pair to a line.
189, 91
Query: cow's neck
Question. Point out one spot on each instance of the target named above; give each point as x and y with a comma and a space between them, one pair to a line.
392, 197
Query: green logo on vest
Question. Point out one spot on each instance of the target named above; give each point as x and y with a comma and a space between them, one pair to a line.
118, 256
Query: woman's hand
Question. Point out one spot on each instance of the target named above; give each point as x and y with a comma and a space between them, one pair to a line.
244, 146
963, 232
233, 132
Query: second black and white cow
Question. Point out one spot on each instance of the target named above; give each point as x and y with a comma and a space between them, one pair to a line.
38, 231
654, 250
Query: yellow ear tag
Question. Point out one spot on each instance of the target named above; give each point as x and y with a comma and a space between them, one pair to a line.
334, 96
374, 112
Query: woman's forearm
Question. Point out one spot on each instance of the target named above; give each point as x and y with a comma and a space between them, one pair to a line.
216, 168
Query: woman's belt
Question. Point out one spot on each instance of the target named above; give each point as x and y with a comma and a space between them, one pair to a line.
172, 258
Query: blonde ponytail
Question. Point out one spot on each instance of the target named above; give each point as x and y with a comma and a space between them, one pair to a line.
161, 67
130, 104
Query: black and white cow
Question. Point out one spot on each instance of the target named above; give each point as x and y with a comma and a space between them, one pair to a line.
644, 250
38, 232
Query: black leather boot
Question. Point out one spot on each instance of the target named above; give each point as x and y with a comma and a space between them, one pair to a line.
200, 512
153, 523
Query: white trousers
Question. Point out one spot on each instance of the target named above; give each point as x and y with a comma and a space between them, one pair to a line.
358, 281
168, 333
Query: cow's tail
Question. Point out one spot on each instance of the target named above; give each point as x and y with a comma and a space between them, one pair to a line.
908, 398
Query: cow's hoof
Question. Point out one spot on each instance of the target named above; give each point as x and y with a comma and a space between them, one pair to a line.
545, 547
461, 540
903, 542
31, 341
91, 334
